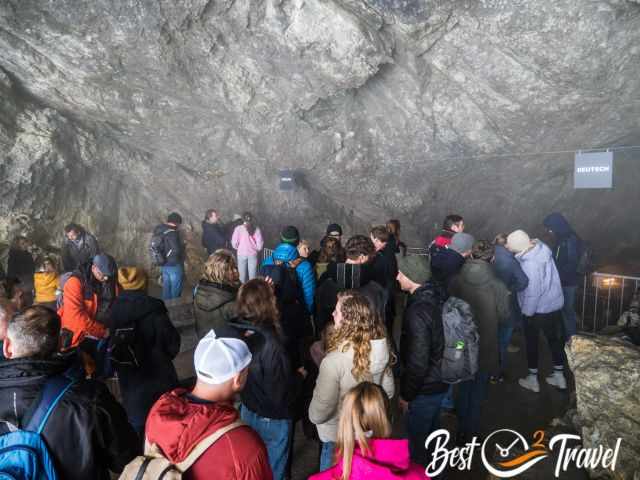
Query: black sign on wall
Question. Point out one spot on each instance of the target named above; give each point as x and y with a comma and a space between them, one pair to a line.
287, 180
593, 170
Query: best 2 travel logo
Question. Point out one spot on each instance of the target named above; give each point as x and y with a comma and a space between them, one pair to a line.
496, 452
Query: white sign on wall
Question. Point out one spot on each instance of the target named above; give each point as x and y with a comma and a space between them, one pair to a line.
593, 170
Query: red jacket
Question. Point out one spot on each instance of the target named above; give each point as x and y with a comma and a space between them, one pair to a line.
444, 238
177, 424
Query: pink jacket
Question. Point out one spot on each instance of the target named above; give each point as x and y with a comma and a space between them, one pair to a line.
247, 245
389, 460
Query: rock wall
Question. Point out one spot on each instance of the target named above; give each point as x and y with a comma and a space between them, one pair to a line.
607, 377
113, 113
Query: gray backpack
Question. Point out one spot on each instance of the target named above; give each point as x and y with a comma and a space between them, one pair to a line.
461, 342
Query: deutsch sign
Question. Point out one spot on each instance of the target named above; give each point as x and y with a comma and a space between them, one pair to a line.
593, 170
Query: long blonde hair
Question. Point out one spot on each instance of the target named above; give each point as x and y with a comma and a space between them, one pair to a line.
359, 326
364, 415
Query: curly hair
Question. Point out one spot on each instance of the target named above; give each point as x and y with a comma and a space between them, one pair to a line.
331, 250
359, 326
221, 267
359, 245
257, 304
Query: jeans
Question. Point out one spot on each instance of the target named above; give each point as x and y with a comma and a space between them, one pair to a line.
469, 400
504, 337
447, 400
172, 276
569, 312
326, 455
247, 267
551, 326
275, 433
423, 417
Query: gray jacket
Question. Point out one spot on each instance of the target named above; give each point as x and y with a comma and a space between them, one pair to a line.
544, 292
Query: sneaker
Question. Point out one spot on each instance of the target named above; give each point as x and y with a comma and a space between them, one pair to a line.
513, 348
530, 382
557, 380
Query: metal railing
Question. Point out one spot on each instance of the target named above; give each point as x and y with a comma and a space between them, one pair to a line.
609, 294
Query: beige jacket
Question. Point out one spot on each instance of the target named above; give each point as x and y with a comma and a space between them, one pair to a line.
335, 380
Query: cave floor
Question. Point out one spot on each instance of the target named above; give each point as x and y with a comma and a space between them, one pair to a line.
507, 406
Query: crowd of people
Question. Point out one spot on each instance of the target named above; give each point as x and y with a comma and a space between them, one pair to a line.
305, 335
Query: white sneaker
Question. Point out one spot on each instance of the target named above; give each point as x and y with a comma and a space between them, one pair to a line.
530, 382
557, 380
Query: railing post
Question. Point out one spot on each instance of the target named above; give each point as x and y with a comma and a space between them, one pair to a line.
584, 301
595, 306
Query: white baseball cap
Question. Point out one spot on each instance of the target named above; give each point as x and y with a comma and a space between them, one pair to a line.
220, 359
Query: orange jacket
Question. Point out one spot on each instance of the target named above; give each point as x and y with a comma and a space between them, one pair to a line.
78, 314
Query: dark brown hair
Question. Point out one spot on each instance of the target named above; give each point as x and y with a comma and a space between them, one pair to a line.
393, 226
257, 304
380, 232
331, 250
359, 245
482, 250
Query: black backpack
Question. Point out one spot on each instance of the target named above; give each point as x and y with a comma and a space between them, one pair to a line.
156, 246
285, 280
460, 359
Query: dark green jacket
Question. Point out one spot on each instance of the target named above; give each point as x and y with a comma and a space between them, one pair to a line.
478, 285
214, 304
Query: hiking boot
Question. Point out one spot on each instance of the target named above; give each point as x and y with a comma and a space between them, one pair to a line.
511, 348
530, 382
557, 380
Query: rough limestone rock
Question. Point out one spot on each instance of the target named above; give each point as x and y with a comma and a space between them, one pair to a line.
607, 377
114, 113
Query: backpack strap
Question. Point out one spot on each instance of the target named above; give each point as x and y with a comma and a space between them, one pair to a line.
341, 275
204, 444
53, 390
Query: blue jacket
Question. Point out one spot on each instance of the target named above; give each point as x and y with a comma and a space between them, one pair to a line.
544, 292
567, 248
509, 271
286, 252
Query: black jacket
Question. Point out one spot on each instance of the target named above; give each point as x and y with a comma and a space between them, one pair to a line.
214, 305
422, 344
357, 277
567, 249
81, 251
87, 434
174, 249
20, 264
270, 388
156, 343
385, 268
213, 236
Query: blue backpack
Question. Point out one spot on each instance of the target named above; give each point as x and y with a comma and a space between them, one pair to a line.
23, 452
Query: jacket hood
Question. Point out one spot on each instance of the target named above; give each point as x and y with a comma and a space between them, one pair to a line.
430, 292
389, 460
209, 296
20, 370
183, 423
539, 253
131, 306
558, 224
285, 252
476, 272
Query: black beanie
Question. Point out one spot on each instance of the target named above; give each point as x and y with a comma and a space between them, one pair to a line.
290, 235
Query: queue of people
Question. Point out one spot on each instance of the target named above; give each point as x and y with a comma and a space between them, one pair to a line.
307, 335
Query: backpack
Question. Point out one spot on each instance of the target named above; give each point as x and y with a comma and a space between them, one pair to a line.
23, 452
155, 466
156, 246
585, 259
285, 280
461, 342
